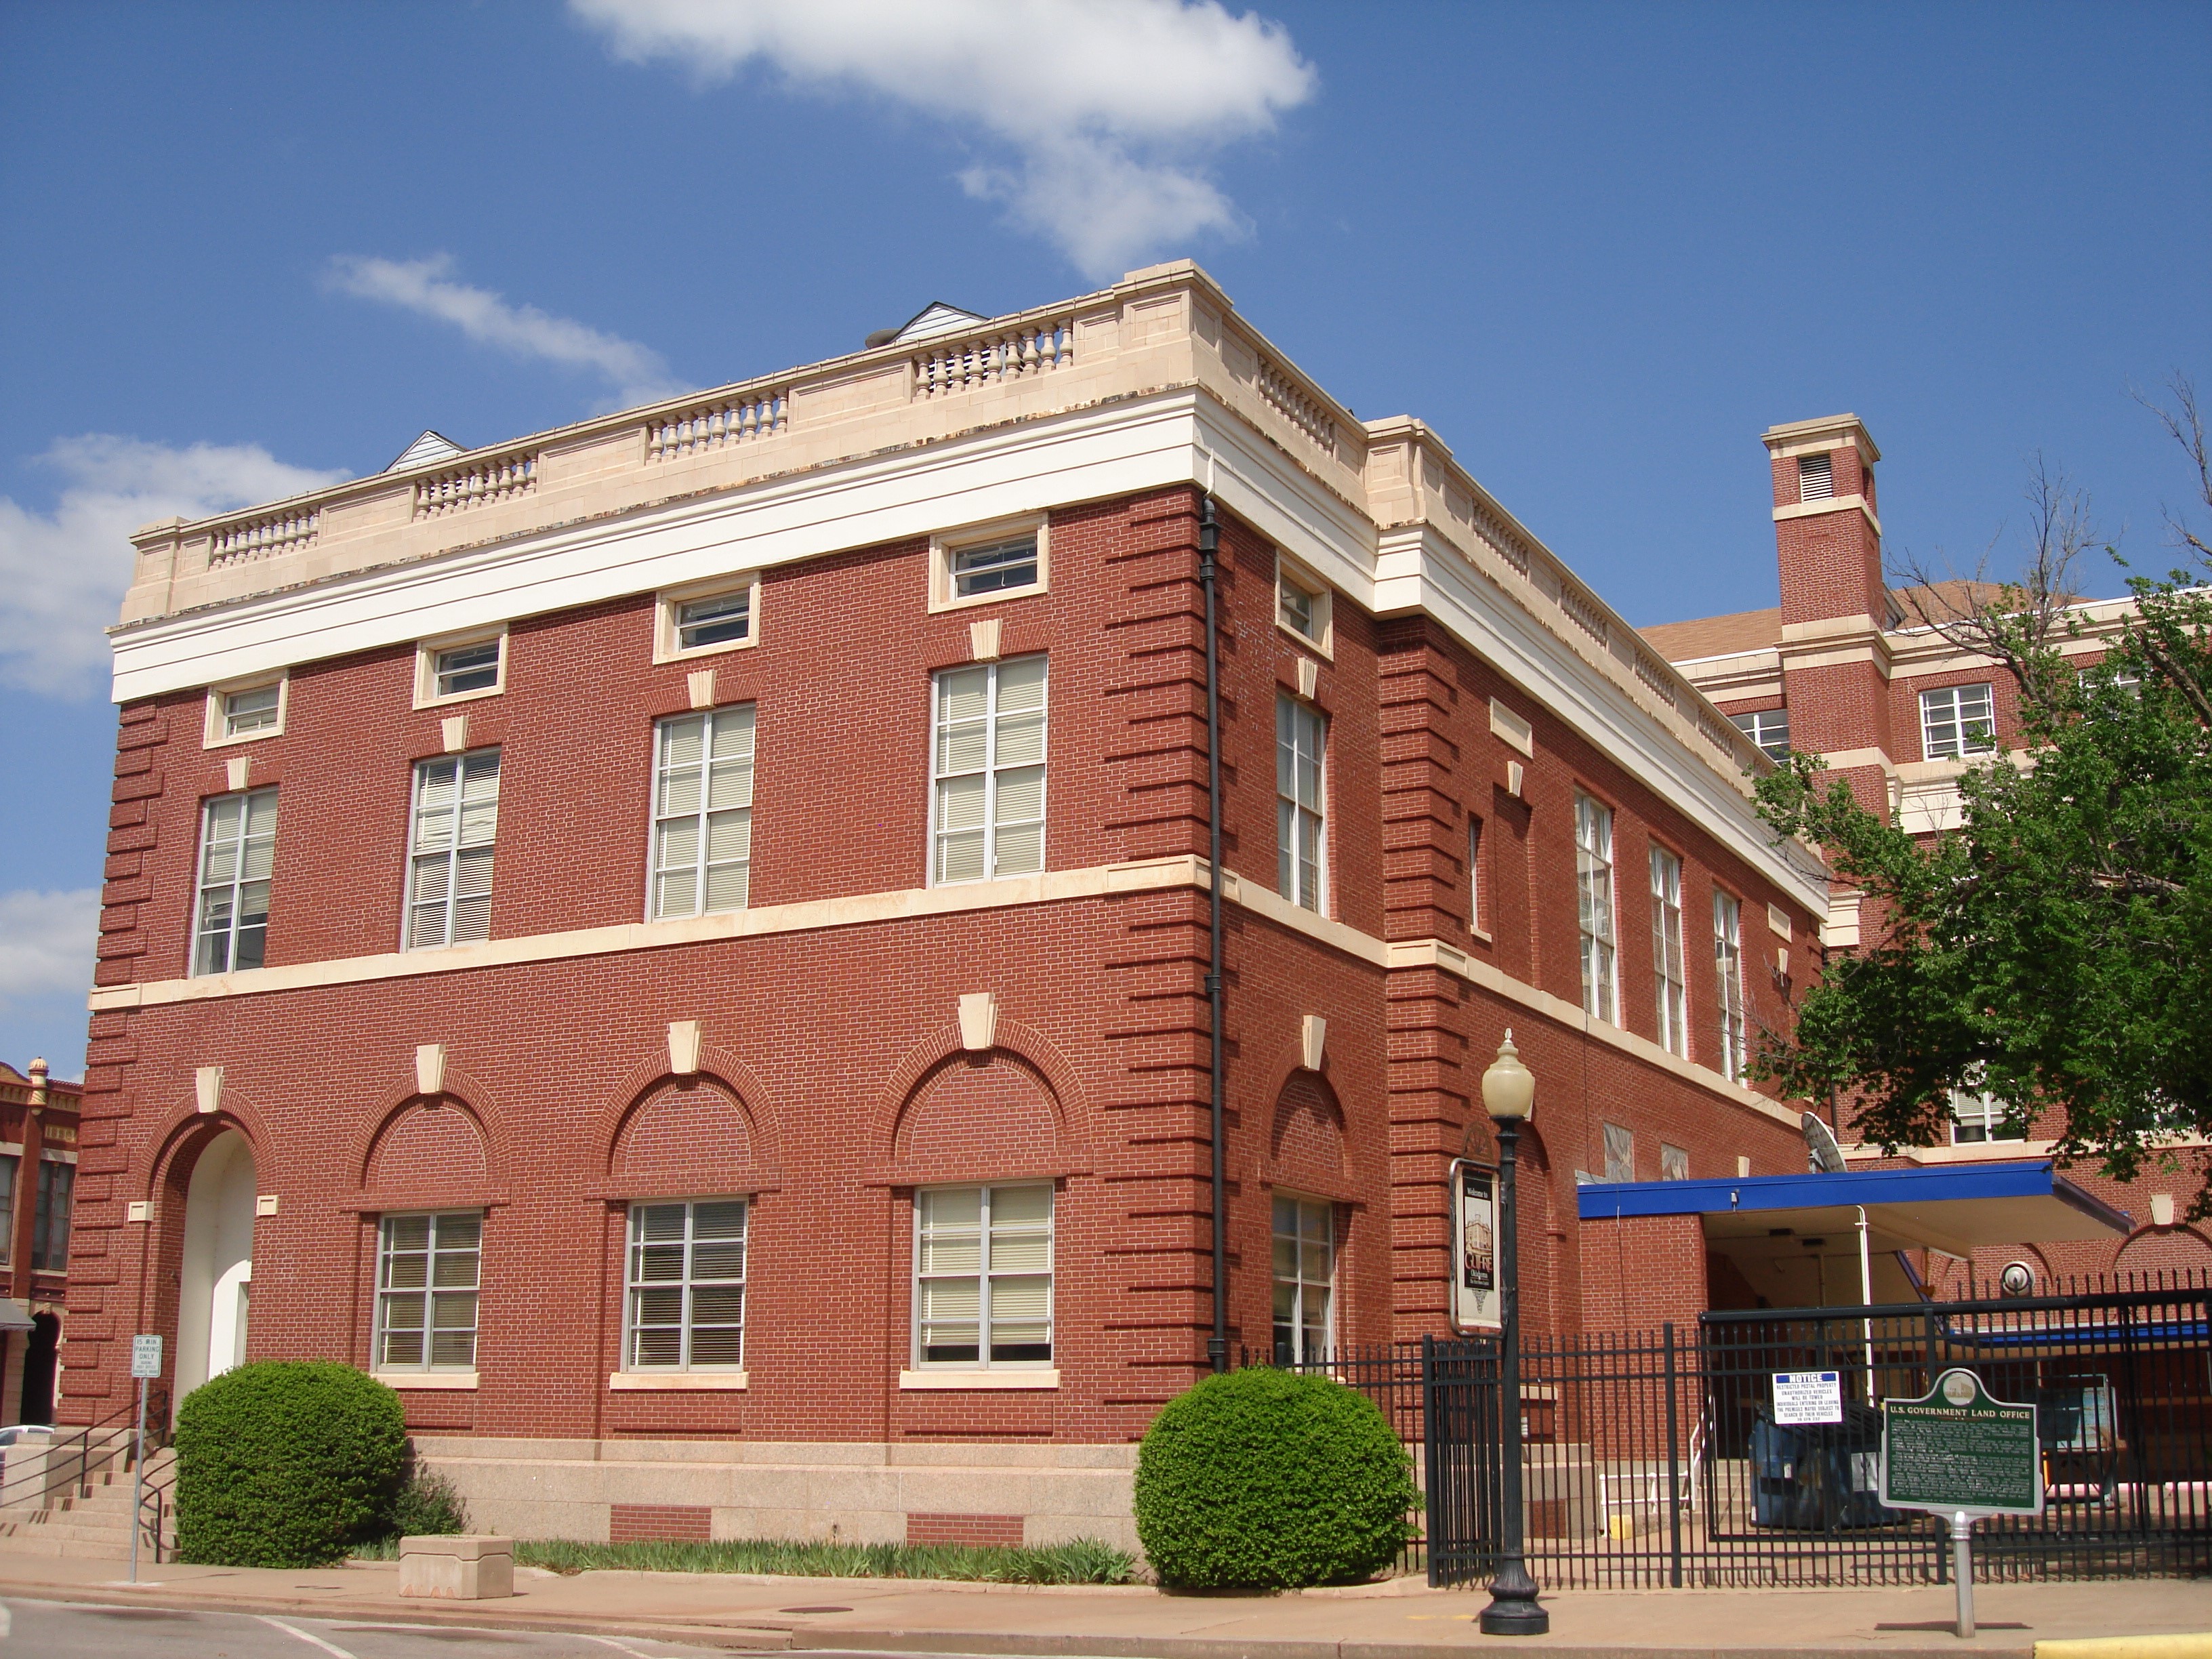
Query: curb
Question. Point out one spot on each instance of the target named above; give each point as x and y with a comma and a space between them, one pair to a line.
2127, 1647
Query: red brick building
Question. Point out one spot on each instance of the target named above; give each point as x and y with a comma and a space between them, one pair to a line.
1847, 669
37, 1121
681, 942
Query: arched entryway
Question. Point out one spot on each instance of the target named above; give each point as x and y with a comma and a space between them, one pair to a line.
218, 1266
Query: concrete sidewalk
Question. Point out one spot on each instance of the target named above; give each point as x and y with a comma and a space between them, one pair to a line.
1399, 1621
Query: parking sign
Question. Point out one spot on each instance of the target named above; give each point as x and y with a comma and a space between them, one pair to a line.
145, 1356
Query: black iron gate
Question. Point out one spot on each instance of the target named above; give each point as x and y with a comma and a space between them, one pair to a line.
1655, 1459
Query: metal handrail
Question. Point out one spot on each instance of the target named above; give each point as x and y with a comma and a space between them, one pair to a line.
77, 1444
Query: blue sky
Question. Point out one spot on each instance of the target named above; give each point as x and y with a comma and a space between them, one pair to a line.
1598, 247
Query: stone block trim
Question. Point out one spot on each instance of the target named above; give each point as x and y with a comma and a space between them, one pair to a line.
659, 1523
1004, 1531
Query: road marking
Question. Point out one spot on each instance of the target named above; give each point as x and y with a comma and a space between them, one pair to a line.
7, 1622
311, 1640
635, 1653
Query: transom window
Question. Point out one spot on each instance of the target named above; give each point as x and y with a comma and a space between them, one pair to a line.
1728, 971
987, 759
687, 1287
254, 709
238, 847
1594, 905
1305, 1277
993, 567
717, 619
471, 667
1769, 728
703, 802
1667, 963
1301, 824
449, 865
983, 1275
426, 1291
1957, 721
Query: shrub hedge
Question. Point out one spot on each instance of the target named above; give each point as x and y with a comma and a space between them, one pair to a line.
284, 1463
1266, 1479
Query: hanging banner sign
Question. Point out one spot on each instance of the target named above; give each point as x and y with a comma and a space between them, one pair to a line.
1957, 1451
1474, 1239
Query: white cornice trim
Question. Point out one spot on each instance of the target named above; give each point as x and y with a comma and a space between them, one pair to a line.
1435, 953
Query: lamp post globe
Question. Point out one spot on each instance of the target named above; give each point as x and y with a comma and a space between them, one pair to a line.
1509, 1095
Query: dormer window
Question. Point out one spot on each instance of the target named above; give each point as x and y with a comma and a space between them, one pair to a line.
1816, 478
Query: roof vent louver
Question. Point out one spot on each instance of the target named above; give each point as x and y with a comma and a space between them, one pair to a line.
1816, 478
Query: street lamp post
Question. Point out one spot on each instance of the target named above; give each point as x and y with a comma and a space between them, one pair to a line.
1509, 1093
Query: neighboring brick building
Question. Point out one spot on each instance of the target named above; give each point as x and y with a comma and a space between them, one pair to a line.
1848, 669
37, 1118
692, 885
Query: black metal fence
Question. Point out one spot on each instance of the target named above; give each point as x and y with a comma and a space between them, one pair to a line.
1655, 1459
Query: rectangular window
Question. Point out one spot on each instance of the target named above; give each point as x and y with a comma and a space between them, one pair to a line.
471, 667
1302, 606
993, 567
1978, 1116
1674, 1163
1619, 1153
988, 767
449, 864
1474, 894
687, 1287
237, 845
1305, 1278
982, 1275
720, 619
49, 1221
9, 1165
249, 711
1816, 478
1301, 736
1769, 728
1728, 969
1957, 721
426, 1291
703, 812
1668, 968
1594, 900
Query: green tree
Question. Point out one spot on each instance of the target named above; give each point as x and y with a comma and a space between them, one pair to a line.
2055, 950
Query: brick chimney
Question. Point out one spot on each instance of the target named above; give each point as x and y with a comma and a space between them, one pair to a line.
1836, 607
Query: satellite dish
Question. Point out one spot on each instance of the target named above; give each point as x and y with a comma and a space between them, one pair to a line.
1822, 1155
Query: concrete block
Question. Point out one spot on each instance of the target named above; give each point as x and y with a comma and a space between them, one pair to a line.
462, 1567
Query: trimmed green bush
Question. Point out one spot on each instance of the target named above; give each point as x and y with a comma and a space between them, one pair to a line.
427, 1506
1263, 1478
284, 1463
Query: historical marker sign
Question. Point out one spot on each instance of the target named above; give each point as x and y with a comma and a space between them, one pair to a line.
1957, 1451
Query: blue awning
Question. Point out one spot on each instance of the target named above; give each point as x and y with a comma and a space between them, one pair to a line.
1955, 1208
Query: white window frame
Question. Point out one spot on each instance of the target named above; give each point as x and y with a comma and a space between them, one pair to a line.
1597, 908
686, 1285
1728, 991
1763, 726
984, 1274
744, 715
668, 620
1302, 1211
426, 652
203, 889
1296, 721
1670, 957
1980, 1118
429, 1290
944, 595
1476, 887
416, 858
990, 771
1322, 603
215, 731
1932, 715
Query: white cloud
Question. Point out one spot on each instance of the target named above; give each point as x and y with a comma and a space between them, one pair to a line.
1108, 107
62, 575
636, 374
46, 943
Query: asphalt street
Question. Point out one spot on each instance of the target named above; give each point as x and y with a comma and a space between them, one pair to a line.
57, 1630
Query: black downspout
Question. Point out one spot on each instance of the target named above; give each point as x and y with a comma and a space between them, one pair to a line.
1209, 542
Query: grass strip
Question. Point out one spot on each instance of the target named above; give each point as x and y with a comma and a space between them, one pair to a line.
1080, 1561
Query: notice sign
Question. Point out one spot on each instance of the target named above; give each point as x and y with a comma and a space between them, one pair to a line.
1474, 1240
145, 1356
1808, 1397
1957, 1451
